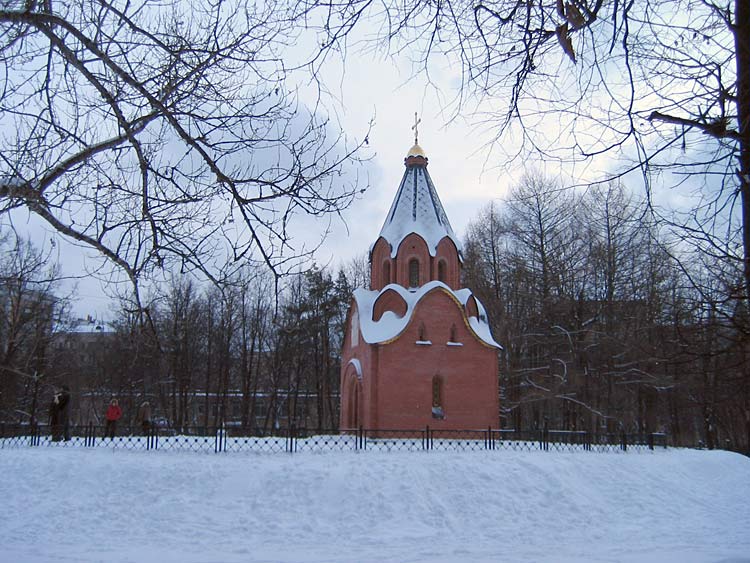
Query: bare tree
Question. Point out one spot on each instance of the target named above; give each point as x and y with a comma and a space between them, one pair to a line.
29, 314
183, 342
540, 218
164, 134
357, 271
580, 298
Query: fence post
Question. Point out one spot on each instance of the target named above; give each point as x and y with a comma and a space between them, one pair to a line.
35, 435
151, 437
624, 441
219, 441
291, 445
651, 441
545, 435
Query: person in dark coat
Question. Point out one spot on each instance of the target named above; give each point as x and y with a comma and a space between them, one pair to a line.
114, 412
54, 418
63, 407
144, 417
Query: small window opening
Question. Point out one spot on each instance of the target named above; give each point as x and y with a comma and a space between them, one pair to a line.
437, 398
453, 334
441, 271
422, 333
386, 272
413, 272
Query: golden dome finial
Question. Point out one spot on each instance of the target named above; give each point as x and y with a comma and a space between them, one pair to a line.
416, 150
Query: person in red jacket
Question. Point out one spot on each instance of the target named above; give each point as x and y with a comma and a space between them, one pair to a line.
114, 412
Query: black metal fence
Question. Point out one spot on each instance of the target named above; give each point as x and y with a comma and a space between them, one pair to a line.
222, 439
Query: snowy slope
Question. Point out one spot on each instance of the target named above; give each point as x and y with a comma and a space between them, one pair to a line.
97, 505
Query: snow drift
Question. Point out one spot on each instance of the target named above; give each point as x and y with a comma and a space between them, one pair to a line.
98, 505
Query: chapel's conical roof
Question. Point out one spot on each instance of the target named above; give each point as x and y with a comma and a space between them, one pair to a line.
417, 208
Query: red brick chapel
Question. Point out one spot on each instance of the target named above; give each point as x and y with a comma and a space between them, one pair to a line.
418, 349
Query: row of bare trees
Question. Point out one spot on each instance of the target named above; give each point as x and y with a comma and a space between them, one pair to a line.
239, 353
606, 327
603, 324
231, 355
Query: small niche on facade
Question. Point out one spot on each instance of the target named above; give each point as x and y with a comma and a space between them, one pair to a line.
452, 339
422, 336
441, 271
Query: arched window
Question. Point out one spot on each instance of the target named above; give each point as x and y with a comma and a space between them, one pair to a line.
437, 398
422, 333
413, 272
441, 271
386, 272
453, 333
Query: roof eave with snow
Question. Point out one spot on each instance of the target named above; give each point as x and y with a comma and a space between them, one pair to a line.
390, 325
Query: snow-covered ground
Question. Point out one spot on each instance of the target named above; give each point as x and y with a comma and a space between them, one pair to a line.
76, 504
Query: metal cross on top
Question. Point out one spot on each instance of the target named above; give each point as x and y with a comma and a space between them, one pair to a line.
417, 121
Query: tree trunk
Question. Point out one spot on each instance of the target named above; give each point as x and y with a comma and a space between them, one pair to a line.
742, 47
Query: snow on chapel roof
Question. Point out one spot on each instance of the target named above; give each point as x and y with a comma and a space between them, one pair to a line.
391, 325
417, 208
